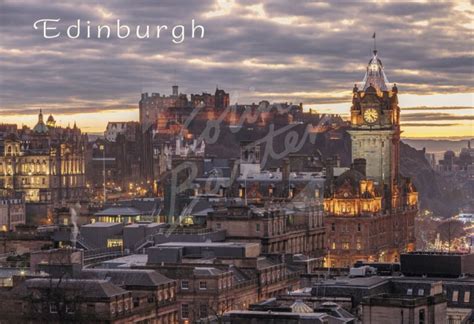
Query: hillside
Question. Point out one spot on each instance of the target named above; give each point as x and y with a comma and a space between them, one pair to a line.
437, 193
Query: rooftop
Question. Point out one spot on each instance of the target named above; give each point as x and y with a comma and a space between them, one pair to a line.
119, 211
89, 288
127, 261
361, 282
101, 224
207, 244
129, 277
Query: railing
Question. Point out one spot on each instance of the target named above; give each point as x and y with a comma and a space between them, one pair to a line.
97, 255
82, 242
186, 230
143, 242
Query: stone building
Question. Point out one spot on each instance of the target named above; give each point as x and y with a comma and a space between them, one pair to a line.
160, 110
154, 296
216, 277
128, 129
46, 164
296, 229
124, 155
58, 289
152, 108
370, 208
12, 212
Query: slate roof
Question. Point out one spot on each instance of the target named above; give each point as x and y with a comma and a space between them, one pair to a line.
266, 262
145, 206
132, 277
207, 271
239, 275
88, 288
119, 211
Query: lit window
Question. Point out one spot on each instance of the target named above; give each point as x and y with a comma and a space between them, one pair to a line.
333, 246
184, 284
467, 296
455, 296
202, 285
114, 242
345, 246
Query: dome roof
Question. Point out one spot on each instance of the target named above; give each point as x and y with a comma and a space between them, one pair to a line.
375, 76
40, 127
51, 122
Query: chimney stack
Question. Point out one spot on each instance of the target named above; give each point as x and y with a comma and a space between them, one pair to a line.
360, 165
285, 176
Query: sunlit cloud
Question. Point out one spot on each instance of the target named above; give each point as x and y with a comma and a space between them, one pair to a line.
274, 50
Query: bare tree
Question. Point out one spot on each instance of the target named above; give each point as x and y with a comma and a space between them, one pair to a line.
451, 229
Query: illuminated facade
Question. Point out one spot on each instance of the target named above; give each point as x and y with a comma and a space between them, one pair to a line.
371, 208
45, 163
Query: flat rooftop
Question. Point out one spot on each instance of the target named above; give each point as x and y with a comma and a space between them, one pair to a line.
128, 261
207, 244
354, 282
101, 224
138, 225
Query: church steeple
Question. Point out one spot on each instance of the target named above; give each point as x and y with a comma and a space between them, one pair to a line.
40, 116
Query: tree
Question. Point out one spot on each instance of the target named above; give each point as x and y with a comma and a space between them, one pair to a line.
450, 230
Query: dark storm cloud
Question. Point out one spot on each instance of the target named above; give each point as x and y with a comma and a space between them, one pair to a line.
279, 47
428, 125
437, 108
435, 116
69, 110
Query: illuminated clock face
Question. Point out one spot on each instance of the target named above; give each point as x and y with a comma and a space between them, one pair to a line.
371, 115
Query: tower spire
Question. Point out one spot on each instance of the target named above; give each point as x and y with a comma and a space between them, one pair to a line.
375, 43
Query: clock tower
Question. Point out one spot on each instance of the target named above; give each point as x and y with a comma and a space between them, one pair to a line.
375, 126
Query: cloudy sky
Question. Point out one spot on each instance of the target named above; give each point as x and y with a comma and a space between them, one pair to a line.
310, 52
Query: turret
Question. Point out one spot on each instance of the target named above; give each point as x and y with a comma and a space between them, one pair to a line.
175, 90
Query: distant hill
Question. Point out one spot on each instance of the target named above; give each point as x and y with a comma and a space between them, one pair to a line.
437, 193
437, 146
